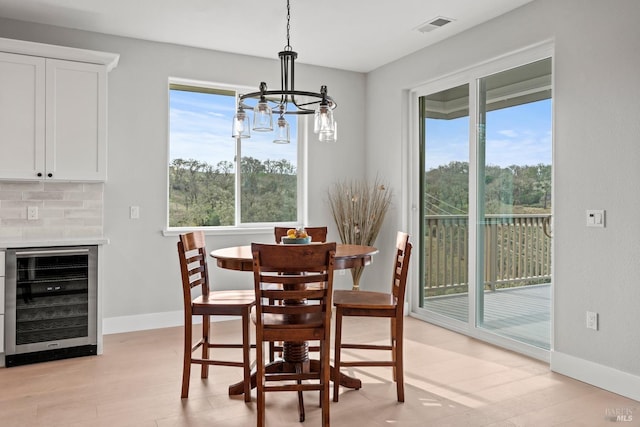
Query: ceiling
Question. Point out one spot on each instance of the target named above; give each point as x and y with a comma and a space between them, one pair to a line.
356, 35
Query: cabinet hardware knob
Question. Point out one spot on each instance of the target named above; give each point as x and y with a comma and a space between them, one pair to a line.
49, 175
39, 173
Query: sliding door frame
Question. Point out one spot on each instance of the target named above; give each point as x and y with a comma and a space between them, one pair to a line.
470, 76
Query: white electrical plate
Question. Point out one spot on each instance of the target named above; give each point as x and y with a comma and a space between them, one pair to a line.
595, 218
134, 212
592, 320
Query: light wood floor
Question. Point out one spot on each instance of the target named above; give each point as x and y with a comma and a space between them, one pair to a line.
451, 380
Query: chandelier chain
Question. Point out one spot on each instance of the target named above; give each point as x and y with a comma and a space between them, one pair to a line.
288, 46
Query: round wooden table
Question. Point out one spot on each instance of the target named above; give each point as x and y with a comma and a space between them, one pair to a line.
347, 256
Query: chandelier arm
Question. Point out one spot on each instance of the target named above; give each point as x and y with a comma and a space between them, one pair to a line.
283, 78
319, 97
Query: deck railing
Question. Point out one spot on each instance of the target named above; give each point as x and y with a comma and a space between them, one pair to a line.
517, 252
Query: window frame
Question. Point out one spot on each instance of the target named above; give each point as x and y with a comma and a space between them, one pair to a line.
239, 227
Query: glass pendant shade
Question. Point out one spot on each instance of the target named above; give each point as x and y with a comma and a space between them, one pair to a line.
323, 120
282, 131
262, 118
329, 136
241, 127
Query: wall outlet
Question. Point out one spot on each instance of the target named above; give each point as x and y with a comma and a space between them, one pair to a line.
134, 212
32, 213
592, 320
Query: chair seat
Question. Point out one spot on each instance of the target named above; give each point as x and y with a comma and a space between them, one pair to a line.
281, 321
363, 299
223, 302
227, 297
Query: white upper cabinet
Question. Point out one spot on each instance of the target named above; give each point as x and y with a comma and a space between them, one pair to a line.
76, 111
22, 121
53, 112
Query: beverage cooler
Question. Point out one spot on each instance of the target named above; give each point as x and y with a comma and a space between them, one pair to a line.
50, 304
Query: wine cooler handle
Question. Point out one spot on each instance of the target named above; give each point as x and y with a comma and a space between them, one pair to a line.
53, 252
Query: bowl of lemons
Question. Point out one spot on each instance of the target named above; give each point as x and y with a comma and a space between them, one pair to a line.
296, 236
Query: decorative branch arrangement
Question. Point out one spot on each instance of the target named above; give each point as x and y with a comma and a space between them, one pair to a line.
358, 209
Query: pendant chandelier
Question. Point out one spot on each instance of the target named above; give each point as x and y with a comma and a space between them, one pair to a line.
286, 101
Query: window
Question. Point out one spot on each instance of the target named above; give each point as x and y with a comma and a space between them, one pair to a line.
206, 187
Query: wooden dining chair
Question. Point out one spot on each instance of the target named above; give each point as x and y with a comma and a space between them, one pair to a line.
377, 304
318, 234
293, 314
193, 267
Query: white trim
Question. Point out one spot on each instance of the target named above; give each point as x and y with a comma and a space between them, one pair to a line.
619, 382
21, 47
143, 322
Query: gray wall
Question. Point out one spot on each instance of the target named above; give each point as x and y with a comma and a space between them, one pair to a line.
141, 272
596, 158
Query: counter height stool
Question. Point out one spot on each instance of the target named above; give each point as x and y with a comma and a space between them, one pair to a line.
294, 314
193, 267
377, 304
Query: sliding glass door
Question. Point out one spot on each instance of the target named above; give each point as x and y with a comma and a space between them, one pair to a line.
514, 204
484, 202
444, 125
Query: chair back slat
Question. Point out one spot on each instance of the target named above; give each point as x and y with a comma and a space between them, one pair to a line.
282, 295
401, 268
292, 310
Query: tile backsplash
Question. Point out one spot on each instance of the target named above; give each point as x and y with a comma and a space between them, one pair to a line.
65, 210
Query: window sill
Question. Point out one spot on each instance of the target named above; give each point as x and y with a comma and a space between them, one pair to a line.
224, 231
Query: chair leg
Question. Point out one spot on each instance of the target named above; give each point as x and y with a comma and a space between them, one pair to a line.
260, 381
205, 345
399, 357
186, 363
300, 396
336, 354
393, 347
246, 361
325, 375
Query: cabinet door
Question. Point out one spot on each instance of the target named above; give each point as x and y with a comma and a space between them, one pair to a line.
76, 121
22, 120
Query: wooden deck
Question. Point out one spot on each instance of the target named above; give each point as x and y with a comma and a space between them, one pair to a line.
523, 314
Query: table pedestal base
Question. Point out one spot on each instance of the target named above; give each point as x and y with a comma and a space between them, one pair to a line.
282, 366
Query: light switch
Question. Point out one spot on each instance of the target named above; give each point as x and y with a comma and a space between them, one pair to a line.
595, 218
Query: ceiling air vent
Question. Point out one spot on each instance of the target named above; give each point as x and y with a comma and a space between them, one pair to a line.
433, 24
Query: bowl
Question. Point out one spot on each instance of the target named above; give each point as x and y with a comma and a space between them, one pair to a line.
296, 240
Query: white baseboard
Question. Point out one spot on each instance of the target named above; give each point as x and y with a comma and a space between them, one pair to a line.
142, 322
607, 378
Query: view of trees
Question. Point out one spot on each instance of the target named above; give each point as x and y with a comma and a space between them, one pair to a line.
513, 189
201, 194
516, 248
